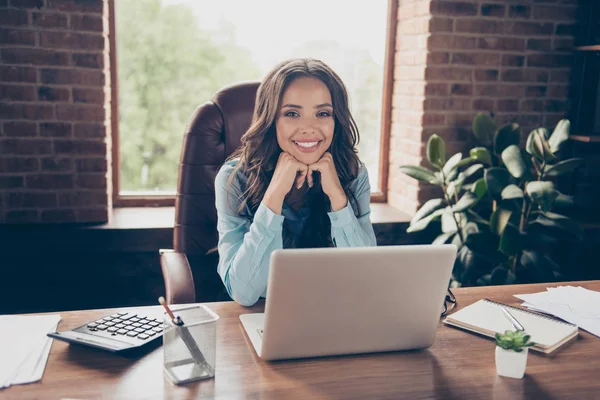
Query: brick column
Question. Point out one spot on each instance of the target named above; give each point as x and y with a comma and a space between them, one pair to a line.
53, 91
456, 58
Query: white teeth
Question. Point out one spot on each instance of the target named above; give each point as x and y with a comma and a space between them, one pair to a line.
306, 144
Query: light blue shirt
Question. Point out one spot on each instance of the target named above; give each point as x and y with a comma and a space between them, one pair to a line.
245, 246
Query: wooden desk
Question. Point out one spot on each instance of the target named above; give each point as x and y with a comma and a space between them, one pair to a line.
459, 365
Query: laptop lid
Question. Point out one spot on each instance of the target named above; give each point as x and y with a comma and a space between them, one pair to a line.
335, 301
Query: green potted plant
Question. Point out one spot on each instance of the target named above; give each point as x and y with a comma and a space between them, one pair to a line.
511, 353
500, 204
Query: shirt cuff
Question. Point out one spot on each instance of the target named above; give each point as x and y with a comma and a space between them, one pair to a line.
342, 217
268, 219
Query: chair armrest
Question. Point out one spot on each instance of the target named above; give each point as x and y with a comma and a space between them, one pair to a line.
179, 282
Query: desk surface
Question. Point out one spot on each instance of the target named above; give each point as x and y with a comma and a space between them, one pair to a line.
459, 365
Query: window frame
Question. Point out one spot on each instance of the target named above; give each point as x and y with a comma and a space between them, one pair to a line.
380, 196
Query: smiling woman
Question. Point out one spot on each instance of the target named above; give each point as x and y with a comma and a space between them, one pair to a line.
296, 181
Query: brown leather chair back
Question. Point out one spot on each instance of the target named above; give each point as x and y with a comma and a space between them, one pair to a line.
213, 133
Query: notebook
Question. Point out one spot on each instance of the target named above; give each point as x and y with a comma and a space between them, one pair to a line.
486, 317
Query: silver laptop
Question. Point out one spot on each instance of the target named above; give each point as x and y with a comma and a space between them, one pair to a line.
337, 301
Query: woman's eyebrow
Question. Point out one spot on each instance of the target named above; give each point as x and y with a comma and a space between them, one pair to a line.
297, 106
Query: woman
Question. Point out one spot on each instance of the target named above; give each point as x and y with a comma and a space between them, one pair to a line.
296, 180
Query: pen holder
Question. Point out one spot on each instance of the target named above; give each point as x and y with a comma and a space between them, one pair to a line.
190, 349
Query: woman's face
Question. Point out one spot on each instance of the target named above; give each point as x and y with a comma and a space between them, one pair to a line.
305, 122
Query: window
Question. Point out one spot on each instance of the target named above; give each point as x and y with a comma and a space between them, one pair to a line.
172, 55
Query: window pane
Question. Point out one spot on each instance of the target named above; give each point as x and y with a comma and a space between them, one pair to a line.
173, 55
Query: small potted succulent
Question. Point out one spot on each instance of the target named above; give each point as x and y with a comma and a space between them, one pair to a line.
511, 353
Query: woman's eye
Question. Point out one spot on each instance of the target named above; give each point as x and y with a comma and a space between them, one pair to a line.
291, 114
324, 114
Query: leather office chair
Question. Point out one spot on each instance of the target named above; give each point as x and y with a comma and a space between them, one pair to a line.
213, 133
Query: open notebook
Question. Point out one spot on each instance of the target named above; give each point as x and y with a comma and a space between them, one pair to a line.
486, 317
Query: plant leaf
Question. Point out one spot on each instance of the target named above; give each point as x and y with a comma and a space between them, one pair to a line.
448, 223
443, 238
543, 193
424, 222
467, 201
473, 169
426, 209
481, 154
436, 151
484, 128
509, 134
499, 219
531, 147
496, 179
510, 241
420, 173
540, 265
559, 135
553, 220
563, 167
512, 192
463, 162
479, 188
511, 157
452, 163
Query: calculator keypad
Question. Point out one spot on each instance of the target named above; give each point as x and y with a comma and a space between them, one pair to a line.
127, 324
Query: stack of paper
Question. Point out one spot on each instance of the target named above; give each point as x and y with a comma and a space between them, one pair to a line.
576, 305
24, 347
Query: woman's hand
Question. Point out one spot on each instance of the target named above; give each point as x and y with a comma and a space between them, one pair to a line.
330, 181
288, 172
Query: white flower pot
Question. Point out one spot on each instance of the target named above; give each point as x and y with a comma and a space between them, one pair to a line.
510, 363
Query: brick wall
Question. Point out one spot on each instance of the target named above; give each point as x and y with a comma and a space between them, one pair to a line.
456, 58
53, 130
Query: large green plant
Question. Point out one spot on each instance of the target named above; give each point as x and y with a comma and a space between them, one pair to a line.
498, 204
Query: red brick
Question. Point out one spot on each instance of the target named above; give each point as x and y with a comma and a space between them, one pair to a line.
539, 44
21, 216
461, 104
91, 165
476, 59
90, 147
445, 42
91, 181
46, 93
532, 105
73, 77
26, 146
519, 11
31, 200
93, 215
486, 74
529, 28
18, 74
57, 164
26, 111
554, 105
513, 60
50, 20
49, 181
92, 96
17, 92
479, 26
430, 119
86, 23
13, 17
437, 89
512, 91
492, 10
20, 129
565, 29
64, 147
88, 6
448, 73
560, 91
58, 216
56, 129
437, 24
535, 91
555, 13
18, 37
73, 41
89, 130
483, 104
562, 76
512, 75
35, 57
69, 112
18, 164
27, 3
563, 44
501, 43
460, 89
81, 198
454, 8
533, 75
549, 60
11, 182
88, 60
438, 58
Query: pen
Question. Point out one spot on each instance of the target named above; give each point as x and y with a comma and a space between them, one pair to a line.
512, 320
